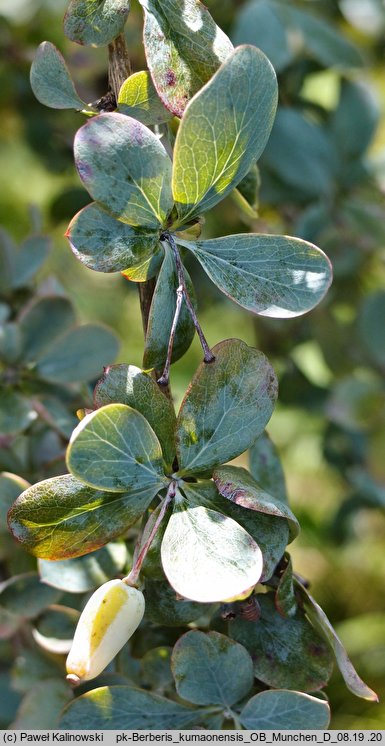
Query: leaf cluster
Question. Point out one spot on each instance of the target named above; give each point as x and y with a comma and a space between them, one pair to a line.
43, 351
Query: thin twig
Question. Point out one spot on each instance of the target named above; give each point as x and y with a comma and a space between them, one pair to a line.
208, 355
163, 380
132, 577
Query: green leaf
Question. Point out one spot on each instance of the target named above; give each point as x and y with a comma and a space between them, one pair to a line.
41, 707
8, 250
208, 557
238, 486
79, 355
115, 449
184, 48
258, 23
51, 81
161, 317
301, 155
42, 323
31, 666
318, 617
269, 532
354, 121
226, 407
372, 328
95, 22
104, 244
285, 710
284, 32
127, 384
156, 669
11, 343
57, 415
285, 600
61, 518
26, 596
163, 606
121, 707
9, 700
5, 309
54, 630
203, 666
275, 276
10, 488
319, 38
138, 99
85, 573
125, 167
16, 413
224, 131
147, 269
266, 468
28, 259
287, 653
9, 624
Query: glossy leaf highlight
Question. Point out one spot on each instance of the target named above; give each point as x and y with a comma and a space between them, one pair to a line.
269, 275
208, 557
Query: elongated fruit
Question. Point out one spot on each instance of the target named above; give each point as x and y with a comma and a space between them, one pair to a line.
108, 620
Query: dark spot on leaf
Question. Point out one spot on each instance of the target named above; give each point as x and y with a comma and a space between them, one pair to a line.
170, 78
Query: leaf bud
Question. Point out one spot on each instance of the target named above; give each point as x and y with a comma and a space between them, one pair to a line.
108, 620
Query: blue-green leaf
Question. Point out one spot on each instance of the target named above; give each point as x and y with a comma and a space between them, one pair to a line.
42, 322
285, 710
51, 81
115, 449
83, 574
125, 167
127, 384
105, 244
224, 131
287, 652
204, 666
161, 317
227, 405
270, 275
26, 596
79, 355
266, 468
184, 48
95, 22
125, 707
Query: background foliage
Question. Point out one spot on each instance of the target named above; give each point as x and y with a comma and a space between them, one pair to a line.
322, 179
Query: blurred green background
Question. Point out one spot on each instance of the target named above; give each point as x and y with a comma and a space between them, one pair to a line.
323, 180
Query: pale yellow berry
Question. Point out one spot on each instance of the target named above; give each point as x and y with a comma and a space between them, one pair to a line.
108, 620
